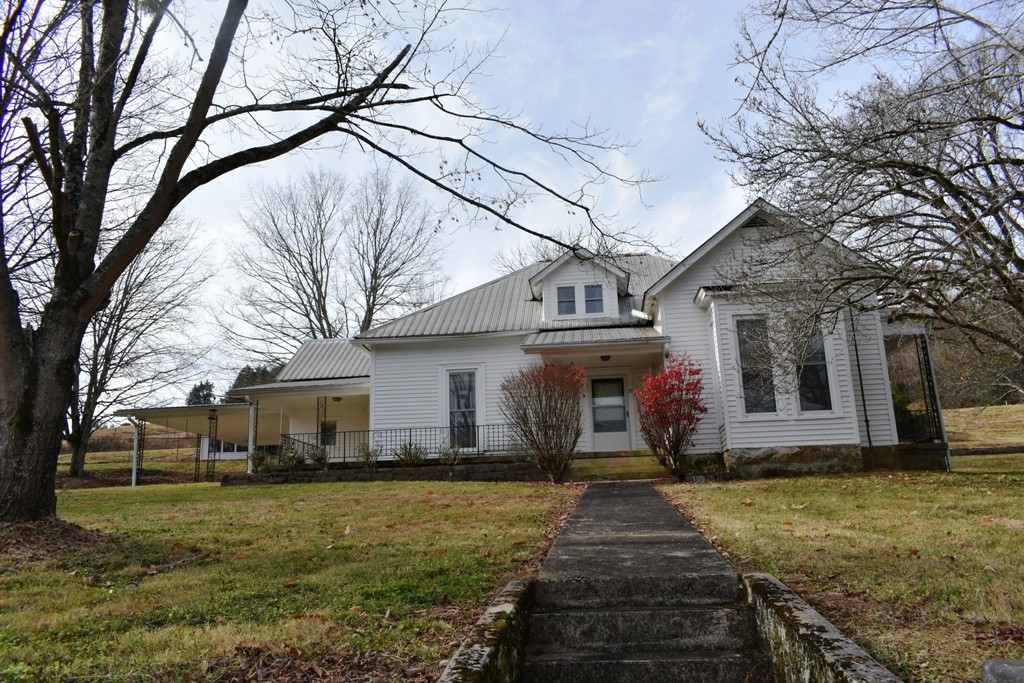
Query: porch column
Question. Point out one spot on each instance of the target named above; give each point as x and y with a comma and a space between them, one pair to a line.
136, 442
253, 417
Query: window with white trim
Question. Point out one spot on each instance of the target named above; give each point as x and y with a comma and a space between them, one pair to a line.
812, 376
593, 299
566, 300
755, 371
462, 408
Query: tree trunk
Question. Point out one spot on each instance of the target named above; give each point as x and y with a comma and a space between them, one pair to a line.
33, 406
79, 438
78, 450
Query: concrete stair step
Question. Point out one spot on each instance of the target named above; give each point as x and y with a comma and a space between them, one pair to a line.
651, 667
626, 629
556, 593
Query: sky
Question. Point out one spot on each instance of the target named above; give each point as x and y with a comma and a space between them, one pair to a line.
643, 71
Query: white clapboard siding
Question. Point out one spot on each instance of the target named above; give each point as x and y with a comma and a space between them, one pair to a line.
709, 335
410, 381
692, 335
577, 274
875, 376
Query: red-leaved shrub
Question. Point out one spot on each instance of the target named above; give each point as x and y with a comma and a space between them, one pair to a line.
671, 406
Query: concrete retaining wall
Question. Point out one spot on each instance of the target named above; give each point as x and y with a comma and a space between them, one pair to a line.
803, 645
494, 650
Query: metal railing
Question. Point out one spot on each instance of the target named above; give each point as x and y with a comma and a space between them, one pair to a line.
916, 426
349, 447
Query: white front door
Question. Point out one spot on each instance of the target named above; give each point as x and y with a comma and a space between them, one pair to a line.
611, 426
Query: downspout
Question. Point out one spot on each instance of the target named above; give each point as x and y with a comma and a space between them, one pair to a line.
135, 449
869, 461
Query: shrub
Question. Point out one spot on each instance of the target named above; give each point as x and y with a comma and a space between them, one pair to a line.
450, 455
319, 457
368, 456
671, 406
411, 454
542, 406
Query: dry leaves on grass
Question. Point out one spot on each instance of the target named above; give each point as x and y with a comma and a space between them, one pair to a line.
51, 539
252, 662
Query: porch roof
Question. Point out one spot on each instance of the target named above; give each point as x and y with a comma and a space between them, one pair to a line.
588, 338
232, 420
352, 384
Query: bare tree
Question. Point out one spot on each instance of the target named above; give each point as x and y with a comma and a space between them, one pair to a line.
328, 260
95, 119
142, 340
293, 287
918, 173
394, 252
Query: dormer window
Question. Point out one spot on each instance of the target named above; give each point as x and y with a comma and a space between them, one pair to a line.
566, 301
593, 298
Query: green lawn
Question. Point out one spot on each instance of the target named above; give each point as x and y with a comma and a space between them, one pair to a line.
395, 571
924, 570
987, 426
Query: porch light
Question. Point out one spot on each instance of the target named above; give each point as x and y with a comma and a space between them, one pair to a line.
606, 358
336, 399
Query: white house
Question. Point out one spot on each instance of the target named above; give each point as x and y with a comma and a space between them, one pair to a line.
433, 377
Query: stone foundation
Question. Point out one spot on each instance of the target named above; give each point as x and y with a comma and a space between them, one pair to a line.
752, 463
913, 456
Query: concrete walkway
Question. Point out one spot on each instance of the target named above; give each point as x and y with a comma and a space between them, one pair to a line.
630, 591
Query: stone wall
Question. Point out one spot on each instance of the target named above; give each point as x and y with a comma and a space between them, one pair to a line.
914, 456
477, 471
793, 460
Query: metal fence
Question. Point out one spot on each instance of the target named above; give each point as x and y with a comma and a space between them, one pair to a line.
389, 444
917, 426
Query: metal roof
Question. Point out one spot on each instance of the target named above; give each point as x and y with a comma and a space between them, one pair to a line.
302, 385
507, 304
594, 336
326, 359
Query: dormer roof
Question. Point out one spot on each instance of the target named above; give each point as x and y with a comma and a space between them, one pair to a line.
583, 255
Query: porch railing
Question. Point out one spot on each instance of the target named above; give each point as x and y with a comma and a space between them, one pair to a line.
916, 426
348, 447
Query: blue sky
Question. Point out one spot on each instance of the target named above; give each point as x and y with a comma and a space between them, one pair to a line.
643, 71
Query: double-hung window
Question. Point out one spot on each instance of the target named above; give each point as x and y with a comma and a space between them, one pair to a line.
755, 366
462, 408
566, 300
593, 299
812, 375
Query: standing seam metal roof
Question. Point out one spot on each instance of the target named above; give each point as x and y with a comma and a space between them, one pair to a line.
326, 359
507, 304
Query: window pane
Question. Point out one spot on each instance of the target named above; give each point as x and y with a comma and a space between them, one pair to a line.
462, 391
462, 409
758, 383
566, 300
609, 418
608, 392
813, 376
594, 298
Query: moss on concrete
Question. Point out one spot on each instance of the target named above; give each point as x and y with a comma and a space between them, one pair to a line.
494, 650
803, 645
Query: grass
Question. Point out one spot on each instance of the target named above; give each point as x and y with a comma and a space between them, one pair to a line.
987, 426
923, 570
155, 463
394, 568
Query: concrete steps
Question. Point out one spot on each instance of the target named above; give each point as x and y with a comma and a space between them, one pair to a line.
631, 592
